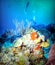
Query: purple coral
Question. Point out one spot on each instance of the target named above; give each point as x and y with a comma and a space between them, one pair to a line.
51, 59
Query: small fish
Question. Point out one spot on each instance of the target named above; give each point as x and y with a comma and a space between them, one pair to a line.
27, 4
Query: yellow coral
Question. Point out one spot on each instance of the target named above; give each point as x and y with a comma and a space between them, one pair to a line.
44, 44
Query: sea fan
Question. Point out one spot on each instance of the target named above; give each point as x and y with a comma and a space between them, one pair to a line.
20, 27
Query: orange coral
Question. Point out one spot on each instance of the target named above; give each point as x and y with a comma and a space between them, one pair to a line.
37, 47
34, 35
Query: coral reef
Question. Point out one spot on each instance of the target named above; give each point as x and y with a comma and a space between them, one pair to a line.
29, 47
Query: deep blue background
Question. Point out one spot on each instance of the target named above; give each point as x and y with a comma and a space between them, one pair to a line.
40, 11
